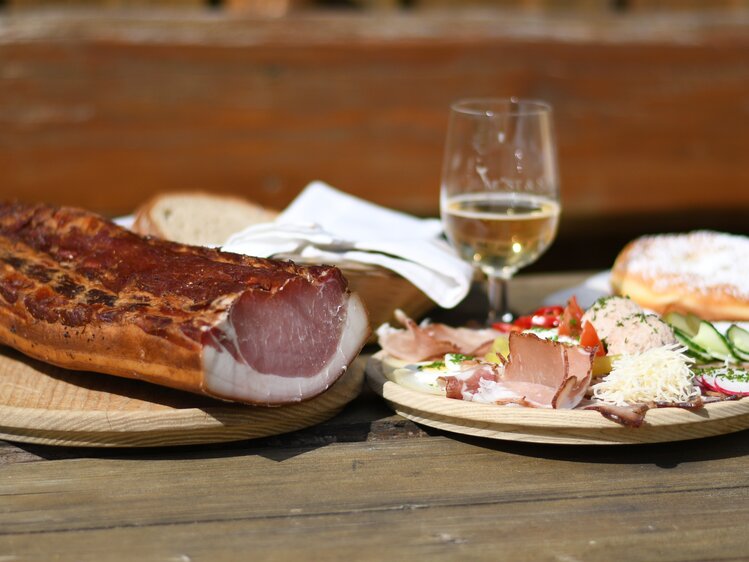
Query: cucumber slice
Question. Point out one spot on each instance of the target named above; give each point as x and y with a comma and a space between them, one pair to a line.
689, 324
712, 341
694, 350
738, 339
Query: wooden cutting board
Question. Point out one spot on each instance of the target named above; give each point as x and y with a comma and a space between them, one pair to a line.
40, 403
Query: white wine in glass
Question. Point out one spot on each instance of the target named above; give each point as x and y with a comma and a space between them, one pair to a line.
500, 190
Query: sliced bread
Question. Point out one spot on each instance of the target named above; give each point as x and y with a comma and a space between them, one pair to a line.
197, 218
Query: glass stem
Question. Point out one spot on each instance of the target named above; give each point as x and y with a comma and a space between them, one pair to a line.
499, 311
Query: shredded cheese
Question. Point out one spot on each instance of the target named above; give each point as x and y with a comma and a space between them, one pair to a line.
658, 374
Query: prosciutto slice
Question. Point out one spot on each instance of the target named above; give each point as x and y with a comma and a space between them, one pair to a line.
468, 381
80, 292
548, 373
540, 373
431, 341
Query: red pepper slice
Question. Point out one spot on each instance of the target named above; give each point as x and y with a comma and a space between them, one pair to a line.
545, 321
544, 317
570, 321
589, 339
523, 322
506, 327
549, 311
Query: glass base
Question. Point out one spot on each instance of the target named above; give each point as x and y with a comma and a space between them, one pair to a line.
507, 317
499, 311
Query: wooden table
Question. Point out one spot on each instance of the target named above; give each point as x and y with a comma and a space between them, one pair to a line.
371, 485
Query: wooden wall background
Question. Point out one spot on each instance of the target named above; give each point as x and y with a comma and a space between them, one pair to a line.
103, 107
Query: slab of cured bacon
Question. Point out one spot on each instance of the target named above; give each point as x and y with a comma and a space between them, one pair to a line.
82, 293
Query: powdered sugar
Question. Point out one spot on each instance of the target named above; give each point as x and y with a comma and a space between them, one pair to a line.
704, 260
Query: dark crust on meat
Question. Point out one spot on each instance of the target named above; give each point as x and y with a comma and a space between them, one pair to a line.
81, 292
628, 416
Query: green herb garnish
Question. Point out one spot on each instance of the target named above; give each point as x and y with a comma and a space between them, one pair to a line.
433, 365
729, 373
452, 357
460, 357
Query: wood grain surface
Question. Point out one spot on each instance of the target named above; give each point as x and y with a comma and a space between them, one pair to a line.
43, 404
102, 109
403, 499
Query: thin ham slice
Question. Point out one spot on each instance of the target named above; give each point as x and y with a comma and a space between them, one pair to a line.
540, 373
634, 414
628, 416
421, 343
546, 373
467, 382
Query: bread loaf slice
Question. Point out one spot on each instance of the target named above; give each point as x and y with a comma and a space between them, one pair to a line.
197, 218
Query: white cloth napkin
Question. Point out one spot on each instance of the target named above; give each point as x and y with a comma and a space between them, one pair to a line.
330, 226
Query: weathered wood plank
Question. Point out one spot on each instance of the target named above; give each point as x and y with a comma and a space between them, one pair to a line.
630, 527
66, 495
417, 497
103, 110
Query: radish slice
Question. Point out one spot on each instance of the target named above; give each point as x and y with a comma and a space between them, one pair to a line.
706, 382
731, 387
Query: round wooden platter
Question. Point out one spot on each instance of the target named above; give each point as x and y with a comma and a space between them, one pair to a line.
43, 404
537, 425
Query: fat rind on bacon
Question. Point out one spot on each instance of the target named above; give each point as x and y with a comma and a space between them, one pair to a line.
82, 293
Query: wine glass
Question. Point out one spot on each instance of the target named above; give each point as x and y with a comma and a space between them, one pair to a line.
499, 199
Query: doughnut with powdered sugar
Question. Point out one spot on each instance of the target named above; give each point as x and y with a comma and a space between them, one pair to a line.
702, 272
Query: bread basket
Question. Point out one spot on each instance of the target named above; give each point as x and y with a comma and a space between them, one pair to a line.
383, 291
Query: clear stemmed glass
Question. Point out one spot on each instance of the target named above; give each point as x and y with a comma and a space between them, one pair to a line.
499, 199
